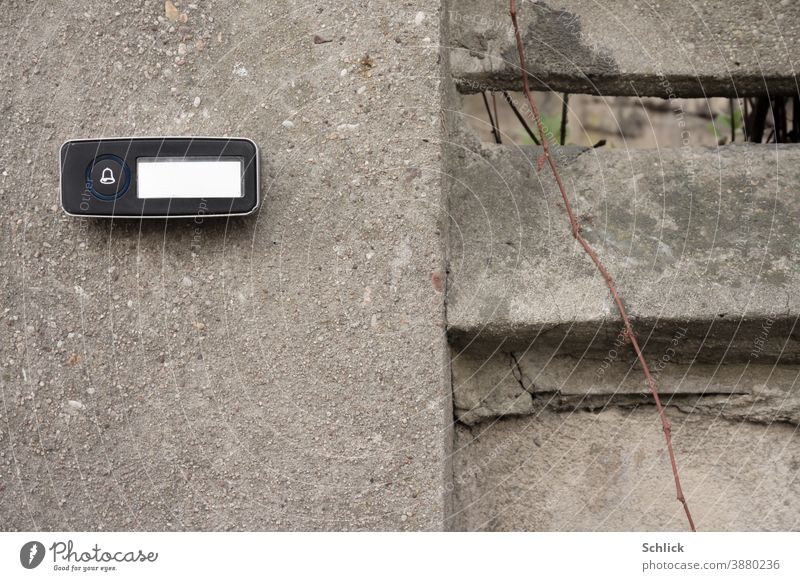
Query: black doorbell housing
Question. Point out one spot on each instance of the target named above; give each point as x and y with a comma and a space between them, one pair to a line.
159, 177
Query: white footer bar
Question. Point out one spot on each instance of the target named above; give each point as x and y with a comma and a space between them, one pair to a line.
406, 557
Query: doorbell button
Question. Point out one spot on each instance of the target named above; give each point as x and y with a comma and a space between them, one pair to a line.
108, 177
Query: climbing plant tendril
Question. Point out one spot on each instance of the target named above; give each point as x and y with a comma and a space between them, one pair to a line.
577, 234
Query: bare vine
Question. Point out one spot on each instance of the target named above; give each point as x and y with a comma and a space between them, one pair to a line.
577, 234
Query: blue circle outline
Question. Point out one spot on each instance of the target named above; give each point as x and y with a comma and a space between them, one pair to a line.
126, 171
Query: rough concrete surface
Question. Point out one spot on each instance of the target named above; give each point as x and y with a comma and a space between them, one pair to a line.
700, 241
609, 471
628, 47
287, 371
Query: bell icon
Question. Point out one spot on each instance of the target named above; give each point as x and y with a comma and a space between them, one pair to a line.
107, 177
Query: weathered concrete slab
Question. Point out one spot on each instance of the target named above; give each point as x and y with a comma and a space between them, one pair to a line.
609, 471
625, 47
287, 371
491, 384
702, 242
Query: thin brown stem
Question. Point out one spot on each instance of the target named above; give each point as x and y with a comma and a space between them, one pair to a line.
781, 127
758, 119
496, 116
745, 117
520, 118
495, 132
576, 233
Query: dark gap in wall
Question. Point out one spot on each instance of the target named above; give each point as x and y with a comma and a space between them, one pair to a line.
637, 123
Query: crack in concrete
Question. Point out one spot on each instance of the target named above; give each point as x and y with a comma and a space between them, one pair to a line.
516, 371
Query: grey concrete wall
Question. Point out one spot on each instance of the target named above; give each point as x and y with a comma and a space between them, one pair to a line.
291, 370
286, 371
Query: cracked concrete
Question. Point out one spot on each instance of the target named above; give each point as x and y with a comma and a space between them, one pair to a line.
557, 430
491, 384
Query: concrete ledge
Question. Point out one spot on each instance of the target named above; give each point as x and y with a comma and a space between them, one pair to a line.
702, 242
491, 384
626, 48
